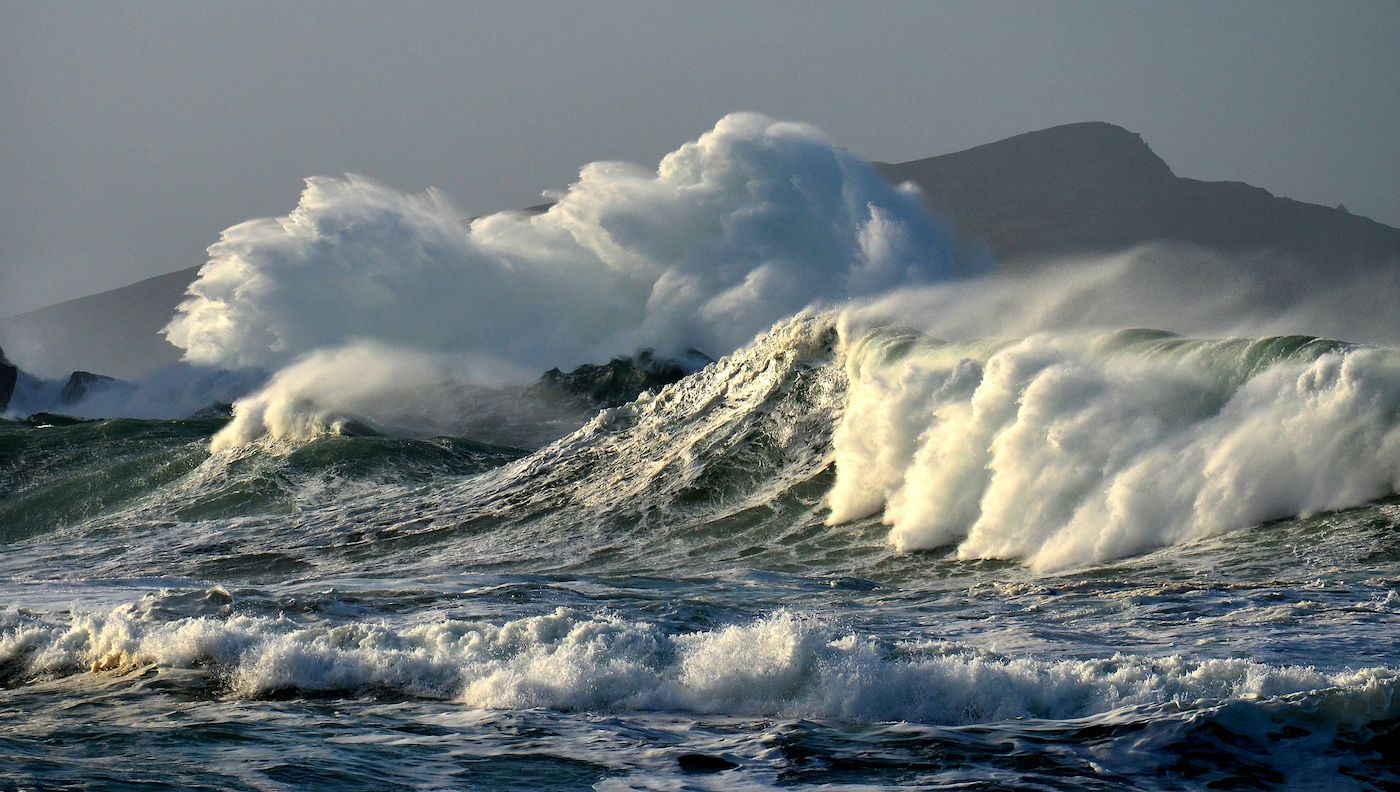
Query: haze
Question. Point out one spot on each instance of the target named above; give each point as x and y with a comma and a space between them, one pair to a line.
134, 134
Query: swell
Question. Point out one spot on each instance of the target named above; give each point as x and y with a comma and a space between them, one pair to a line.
56, 476
119, 473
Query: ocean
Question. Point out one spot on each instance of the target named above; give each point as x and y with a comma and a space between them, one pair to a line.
831, 559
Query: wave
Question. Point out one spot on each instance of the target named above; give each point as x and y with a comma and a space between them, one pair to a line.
1065, 451
783, 664
125, 473
1058, 451
737, 433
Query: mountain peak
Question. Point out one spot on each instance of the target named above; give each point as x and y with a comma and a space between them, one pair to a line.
1096, 187
1087, 150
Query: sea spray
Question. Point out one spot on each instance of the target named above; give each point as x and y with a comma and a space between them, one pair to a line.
752, 222
748, 224
1165, 285
1068, 450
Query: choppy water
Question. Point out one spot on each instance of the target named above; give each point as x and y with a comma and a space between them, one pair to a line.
726, 585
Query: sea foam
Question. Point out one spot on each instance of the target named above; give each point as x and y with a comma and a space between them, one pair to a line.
783, 664
1063, 451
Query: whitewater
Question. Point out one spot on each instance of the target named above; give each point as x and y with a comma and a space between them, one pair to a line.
894, 534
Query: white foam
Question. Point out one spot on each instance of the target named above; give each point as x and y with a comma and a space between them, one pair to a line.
749, 224
1063, 451
781, 665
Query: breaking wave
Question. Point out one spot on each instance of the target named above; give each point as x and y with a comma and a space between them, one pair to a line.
779, 665
1057, 451
1063, 451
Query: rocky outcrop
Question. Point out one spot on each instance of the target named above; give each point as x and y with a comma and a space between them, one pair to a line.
616, 382
42, 419
9, 375
81, 384
215, 411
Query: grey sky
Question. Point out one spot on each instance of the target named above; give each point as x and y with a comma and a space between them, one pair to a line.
131, 134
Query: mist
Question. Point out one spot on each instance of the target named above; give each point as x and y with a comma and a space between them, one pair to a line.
1173, 287
746, 225
170, 392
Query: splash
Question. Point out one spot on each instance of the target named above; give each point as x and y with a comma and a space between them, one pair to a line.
400, 390
1065, 450
749, 224
746, 225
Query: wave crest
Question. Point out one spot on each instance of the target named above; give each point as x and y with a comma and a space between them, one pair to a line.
783, 664
1063, 451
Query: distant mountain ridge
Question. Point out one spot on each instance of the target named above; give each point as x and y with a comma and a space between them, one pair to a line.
1080, 188
115, 332
1095, 187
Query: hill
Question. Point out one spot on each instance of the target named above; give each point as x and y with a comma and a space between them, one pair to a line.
115, 332
1096, 187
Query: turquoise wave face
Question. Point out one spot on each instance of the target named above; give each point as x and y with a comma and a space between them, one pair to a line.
57, 476
92, 474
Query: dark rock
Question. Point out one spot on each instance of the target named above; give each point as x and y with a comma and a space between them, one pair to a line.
704, 763
616, 382
55, 419
558, 402
214, 412
9, 375
80, 384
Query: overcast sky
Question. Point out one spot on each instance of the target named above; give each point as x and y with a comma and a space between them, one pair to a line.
132, 133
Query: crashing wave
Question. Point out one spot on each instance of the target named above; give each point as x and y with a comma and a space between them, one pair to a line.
1063, 451
1058, 451
780, 665
751, 222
